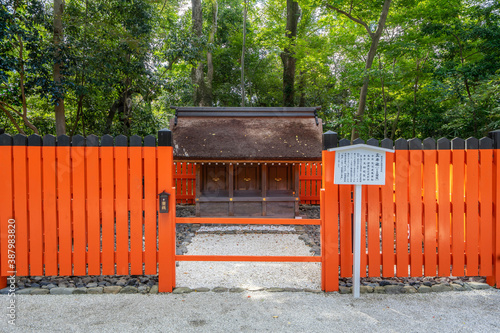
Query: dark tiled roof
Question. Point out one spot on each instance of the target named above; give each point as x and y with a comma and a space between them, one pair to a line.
291, 134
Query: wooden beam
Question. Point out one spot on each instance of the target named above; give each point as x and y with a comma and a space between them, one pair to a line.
244, 220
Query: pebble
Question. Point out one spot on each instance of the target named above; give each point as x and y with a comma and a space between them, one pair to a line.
62, 291
478, 285
95, 290
181, 290
128, 290
111, 289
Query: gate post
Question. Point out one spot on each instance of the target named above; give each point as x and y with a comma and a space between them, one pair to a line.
166, 221
330, 264
495, 278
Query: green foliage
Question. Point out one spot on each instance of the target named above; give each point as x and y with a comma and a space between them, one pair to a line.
125, 62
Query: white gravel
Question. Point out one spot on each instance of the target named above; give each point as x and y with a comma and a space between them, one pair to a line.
248, 274
467, 311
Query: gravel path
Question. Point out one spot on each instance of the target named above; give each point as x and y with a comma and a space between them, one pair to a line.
470, 311
248, 274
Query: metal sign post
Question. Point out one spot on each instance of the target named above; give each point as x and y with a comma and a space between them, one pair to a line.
359, 165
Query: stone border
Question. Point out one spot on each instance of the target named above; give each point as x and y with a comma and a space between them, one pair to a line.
388, 289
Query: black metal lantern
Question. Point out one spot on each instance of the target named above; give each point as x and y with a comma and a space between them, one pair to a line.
164, 201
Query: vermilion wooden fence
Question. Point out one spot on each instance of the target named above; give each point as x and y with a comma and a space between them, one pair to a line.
90, 207
185, 182
436, 215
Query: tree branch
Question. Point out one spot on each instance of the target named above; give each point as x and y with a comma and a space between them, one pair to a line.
12, 119
355, 19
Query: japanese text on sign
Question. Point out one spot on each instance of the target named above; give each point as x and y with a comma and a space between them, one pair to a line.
360, 167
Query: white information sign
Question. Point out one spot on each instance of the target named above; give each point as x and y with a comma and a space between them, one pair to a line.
359, 165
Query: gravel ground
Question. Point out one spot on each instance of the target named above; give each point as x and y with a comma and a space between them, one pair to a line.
470, 311
248, 274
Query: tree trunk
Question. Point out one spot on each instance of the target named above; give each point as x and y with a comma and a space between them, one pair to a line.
243, 54
207, 94
384, 98
58, 37
369, 61
395, 123
202, 94
288, 56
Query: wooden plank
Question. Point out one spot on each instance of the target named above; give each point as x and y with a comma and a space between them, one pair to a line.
35, 207
458, 211
198, 188
136, 221
388, 241
93, 209
64, 208
264, 189
150, 207
430, 212
108, 209
121, 207
249, 258
78, 207
6, 209
415, 197
364, 221
166, 235
322, 241
494, 279
296, 186
242, 220
21, 209
444, 249
345, 194
472, 213
231, 190
374, 259
486, 212
189, 181
401, 177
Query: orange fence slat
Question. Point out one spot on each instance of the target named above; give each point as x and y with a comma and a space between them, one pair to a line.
402, 165
486, 211
93, 210
64, 210
108, 210
415, 199
78, 206
166, 225
374, 260
136, 175
345, 195
472, 214
444, 228
150, 204
430, 212
329, 230
21, 209
458, 211
121, 208
6, 212
364, 221
49, 209
35, 210
494, 279
387, 196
